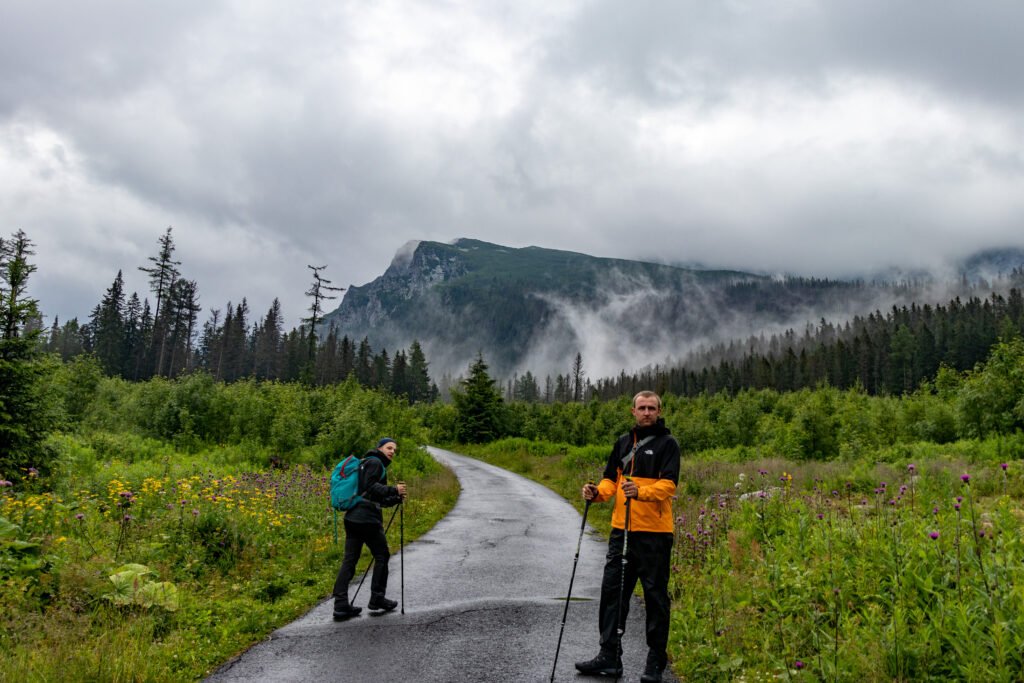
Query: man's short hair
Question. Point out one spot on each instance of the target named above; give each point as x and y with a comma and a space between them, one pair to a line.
647, 394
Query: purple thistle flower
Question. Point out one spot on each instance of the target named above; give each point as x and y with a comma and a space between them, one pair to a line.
910, 468
1003, 465
821, 516
798, 664
935, 511
79, 516
957, 507
127, 518
965, 478
933, 535
863, 501
959, 499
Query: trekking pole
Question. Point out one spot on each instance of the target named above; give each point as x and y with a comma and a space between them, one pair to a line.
370, 566
401, 548
572, 577
622, 578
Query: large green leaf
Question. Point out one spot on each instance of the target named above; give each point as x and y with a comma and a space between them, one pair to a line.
8, 529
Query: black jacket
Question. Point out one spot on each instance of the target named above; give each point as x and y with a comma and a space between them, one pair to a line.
374, 490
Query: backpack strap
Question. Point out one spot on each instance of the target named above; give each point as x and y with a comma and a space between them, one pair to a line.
628, 458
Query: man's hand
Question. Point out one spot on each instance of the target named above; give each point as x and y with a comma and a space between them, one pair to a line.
629, 488
589, 492
401, 489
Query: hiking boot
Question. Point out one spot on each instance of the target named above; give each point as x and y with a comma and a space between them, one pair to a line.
379, 602
652, 671
343, 610
605, 664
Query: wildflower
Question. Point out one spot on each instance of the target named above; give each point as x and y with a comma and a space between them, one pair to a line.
935, 511
959, 499
127, 518
863, 501
195, 512
882, 484
910, 468
957, 507
1003, 465
79, 516
798, 664
933, 535
965, 478
821, 516
33, 472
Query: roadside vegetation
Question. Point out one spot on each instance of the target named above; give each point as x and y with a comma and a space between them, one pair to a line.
852, 538
173, 523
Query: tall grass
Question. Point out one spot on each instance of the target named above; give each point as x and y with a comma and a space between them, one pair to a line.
845, 570
217, 552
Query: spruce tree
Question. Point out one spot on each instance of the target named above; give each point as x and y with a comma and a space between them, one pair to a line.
479, 407
418, 382
25, 417
109, 329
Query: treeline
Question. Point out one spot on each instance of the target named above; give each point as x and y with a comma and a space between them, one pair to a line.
821, 423
136, 341
884, 354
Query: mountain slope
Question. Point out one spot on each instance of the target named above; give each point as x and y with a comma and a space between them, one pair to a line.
535, 308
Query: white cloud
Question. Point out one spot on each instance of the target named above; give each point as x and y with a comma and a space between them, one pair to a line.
778, 136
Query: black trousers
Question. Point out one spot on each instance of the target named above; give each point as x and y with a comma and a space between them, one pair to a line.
647, 558
356, 536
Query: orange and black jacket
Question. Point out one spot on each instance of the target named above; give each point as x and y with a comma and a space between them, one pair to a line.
654, 469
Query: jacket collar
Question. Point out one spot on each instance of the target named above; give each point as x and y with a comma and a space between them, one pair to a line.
385, 460
656, 429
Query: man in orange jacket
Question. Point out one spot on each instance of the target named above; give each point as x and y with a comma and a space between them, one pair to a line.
644, 468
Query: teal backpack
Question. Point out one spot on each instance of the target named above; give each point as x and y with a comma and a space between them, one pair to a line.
345, 493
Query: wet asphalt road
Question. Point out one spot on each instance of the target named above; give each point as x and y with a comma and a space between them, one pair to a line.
484, 595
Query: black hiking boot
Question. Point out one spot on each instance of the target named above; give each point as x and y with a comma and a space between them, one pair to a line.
605, 664
655, 665
343, 610
380, 603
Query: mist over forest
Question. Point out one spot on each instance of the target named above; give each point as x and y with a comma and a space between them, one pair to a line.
534, 310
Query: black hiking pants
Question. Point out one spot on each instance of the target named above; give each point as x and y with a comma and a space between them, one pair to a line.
356, 536
647, 558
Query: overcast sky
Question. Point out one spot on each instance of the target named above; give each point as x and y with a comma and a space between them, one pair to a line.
819, 138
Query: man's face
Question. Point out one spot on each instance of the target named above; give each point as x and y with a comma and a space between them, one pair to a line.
389, 449
646, 411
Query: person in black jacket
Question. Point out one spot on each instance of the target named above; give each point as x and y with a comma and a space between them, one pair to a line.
364, 525
642, 468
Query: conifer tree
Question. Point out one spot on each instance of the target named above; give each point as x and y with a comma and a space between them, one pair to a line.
162, 275
25, 418
419, 384
479, 407
109, 328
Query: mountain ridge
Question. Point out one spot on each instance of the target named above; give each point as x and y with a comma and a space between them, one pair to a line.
535, 308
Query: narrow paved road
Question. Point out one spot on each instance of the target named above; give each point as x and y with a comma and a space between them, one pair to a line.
484, 594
